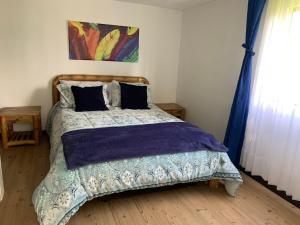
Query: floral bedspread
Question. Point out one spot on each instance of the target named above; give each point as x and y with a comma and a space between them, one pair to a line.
63, 191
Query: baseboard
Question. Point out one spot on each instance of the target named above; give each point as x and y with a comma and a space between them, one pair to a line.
272, 188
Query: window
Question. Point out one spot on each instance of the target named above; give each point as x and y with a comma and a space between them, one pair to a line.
278, 70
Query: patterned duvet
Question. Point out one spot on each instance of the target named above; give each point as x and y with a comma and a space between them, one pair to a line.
63, 191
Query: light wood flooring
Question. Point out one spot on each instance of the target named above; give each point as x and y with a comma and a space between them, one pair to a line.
193, 204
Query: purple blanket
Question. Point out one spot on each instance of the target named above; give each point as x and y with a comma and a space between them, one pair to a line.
88, 146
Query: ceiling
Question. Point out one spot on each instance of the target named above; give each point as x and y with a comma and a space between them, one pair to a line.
173, 4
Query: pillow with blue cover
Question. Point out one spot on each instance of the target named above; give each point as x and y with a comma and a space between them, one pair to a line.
88, 98
66, 95
133, 96
115, 93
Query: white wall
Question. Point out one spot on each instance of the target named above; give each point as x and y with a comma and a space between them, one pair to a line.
210, 61
34, 47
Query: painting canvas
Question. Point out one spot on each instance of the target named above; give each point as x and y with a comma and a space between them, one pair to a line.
103, 42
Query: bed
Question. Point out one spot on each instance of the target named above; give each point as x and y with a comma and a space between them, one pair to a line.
63, 191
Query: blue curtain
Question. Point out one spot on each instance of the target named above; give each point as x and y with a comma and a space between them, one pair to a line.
235, 131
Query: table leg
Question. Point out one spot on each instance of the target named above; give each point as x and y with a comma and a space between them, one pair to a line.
4, 131
37, 129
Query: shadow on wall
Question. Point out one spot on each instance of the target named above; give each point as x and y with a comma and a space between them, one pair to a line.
37, 98
42, 97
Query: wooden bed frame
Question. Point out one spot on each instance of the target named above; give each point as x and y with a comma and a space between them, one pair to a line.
105, 78
87, 77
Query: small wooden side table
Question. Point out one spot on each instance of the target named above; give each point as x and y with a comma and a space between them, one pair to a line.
173, 109
27, 114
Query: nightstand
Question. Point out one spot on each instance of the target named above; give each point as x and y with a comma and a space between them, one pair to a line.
29, 115
173, 109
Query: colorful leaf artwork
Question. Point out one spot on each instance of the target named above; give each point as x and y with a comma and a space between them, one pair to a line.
103, 42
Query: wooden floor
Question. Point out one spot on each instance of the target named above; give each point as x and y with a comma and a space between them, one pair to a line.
194, 204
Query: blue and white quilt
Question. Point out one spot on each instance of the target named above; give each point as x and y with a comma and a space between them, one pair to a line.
63, 191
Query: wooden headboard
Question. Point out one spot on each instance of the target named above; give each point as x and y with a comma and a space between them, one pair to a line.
86, 77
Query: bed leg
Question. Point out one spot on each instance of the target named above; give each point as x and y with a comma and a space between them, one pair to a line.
213, 184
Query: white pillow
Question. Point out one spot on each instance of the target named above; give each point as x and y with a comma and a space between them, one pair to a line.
66, 95
115, 93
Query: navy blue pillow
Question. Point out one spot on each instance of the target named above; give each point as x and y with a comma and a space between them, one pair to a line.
133, 96
88, 98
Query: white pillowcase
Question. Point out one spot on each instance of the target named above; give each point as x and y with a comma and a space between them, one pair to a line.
66, 95
115, 93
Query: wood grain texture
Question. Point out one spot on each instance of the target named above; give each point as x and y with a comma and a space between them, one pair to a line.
87, 77
21, 111
1, 183
214, 183
192, 204
26, 114
173, 109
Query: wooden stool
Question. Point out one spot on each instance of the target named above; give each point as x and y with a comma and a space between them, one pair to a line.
27, 114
